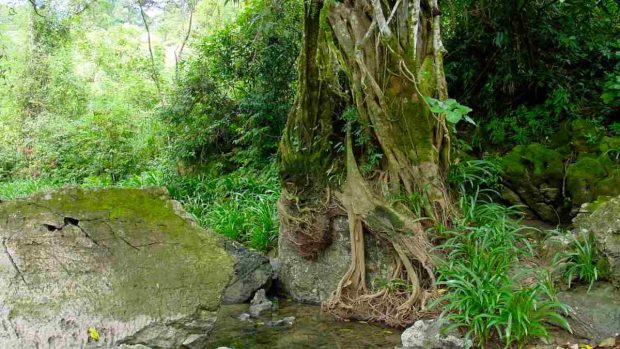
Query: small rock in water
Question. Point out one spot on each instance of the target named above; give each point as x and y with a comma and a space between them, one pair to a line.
426, 334
244, 317
259, 304
195, 341
287, 321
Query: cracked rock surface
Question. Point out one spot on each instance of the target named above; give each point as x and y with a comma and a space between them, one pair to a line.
128, 263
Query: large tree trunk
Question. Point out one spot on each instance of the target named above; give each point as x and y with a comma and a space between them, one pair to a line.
361, 139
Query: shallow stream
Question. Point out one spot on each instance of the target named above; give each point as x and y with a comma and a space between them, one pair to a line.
311, 329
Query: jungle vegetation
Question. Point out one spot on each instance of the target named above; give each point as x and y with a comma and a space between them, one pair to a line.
272, 116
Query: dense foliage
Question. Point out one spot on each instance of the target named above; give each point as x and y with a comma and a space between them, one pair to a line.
231, 104
526, 66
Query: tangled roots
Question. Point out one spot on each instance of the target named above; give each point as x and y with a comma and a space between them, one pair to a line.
393, 306
307, 228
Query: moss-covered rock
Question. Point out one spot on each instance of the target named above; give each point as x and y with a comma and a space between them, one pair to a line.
129, 263
534, 174
582, 177
554, 183
539, 163
585, 136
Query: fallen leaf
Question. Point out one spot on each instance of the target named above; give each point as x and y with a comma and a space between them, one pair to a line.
93, 334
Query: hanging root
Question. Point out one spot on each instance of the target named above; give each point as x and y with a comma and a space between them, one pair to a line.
307, 228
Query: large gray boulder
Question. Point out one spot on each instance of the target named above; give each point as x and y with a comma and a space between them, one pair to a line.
313, 280
602, 220
127, 264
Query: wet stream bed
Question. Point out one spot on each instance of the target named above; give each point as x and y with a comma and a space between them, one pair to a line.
311, 329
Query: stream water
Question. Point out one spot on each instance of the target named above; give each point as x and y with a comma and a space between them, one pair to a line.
311, 329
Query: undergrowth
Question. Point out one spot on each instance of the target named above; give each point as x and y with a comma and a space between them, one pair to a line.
240, 205
486, 285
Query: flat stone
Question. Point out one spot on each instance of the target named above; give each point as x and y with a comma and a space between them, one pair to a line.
244, 317
594, 315
287, 321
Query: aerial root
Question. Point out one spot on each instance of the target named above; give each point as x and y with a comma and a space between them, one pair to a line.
308, 228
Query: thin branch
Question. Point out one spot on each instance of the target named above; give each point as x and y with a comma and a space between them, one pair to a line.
155, 75
36, 10
384, 29
177, 54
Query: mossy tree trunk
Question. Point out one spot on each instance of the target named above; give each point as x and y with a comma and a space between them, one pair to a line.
362, 140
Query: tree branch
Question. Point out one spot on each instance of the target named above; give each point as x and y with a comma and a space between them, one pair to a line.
155, 75
36, 10
384, 29
177, 54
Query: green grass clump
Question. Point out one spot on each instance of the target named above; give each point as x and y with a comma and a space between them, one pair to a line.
240, 205
581, 261
24, 187
484, 293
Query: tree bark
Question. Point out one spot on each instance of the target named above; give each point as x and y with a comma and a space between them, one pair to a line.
361, 134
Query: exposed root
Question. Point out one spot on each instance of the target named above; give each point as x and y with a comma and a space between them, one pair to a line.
390, 69
368, 213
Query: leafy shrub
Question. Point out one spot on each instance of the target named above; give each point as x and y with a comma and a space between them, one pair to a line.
234, 95
611, 88
90, 146
10, 163
524, 67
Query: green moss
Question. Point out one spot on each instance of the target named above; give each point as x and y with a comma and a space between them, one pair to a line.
609, 144
585, 136
609, 186
533, 163
582, 177
599, 202
417, 121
